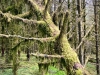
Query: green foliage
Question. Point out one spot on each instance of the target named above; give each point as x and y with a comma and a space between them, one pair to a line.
78, 72
6, 72
54, 71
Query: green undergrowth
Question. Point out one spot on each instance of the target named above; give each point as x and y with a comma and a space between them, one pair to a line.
32, 71
31, 68
91, 68
54, 71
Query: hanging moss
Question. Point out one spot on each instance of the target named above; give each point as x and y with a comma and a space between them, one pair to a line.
38, 14
44, 29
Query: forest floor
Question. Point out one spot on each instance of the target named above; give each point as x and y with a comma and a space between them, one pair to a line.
31, 67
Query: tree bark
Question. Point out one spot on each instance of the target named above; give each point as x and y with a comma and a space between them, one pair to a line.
96, 37
79, 30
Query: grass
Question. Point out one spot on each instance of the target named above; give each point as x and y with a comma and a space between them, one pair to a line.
90, 67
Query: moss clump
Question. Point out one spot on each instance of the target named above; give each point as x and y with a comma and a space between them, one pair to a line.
78, 72
44, 29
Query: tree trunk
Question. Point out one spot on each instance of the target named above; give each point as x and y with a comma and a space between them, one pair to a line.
79, 31
2, 42
15, 62
74, 24
2, 48
96, 37
28, 54
84, 21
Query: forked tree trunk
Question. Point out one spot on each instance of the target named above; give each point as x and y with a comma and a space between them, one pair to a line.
62, 47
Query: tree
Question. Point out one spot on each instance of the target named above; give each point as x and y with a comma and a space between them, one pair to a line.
79, 8
47, 27
96, 36
84, 23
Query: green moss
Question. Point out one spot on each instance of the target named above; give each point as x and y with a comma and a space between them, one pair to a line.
37, 11
78, 72
53, 28
44, 29
38, 14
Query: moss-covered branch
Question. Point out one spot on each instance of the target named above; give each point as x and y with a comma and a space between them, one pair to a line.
46, 8
47, 23
39, 13
46, 55
26, 14
28, 38
44, 2
54, 29
35, 8
58, 16
10, 17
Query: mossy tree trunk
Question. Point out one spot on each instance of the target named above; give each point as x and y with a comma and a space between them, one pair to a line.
15, 64
62, 47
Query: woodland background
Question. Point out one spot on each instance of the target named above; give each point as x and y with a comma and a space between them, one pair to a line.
27, 42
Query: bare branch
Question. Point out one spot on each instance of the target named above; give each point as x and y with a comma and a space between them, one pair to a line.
86, 60
84, 38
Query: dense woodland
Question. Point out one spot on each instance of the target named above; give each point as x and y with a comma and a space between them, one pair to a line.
49, 37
